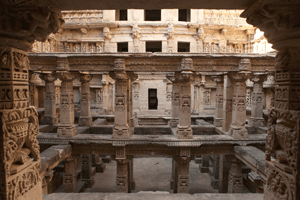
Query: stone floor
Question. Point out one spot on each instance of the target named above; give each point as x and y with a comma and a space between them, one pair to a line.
151, 174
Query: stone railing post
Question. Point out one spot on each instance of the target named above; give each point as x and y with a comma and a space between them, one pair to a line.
66, 127
50, 101
218, 119
85, 118
22, 22
280, 22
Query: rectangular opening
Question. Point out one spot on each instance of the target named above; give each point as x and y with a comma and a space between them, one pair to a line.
123, 47
121, 15
152, 99
154, 46
152, 15
183, 47
184, 15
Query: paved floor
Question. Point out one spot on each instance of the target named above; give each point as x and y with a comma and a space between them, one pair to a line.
151, 174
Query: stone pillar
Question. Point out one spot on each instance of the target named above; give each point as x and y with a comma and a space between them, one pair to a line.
98, 163
218, 119
215, 172
175, 104
237, 128
46, 180
235, 179
224, 173
88, 172
197, 100
124, 171
184, 127
85, 118
19, 149
173, 182
34, 81
131, 181
69, 177
204, 166
182, 179
257, 100
66, 127
121, 128
201, 94
280, 23
227, 103
50, 101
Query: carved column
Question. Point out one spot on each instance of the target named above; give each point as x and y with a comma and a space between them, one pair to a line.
175, 104
218, 119
237, 128
257, 100
182, 179
201, 93
235, 179
215, 172
204, 166
69, 177
50, 101
21, 23
121, 128
184, 127
224, 167
66, 127
280, 22
34, 81
88, 172
85, 118
197, 100
227, 103
124, 171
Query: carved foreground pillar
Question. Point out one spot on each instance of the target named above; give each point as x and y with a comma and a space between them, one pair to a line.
21, 22
69, 177
182, 174
121, 128
184, 127
256, 118
50, 101
218, 119
237, 128
280, 22
235, 179
85, 118
66, 127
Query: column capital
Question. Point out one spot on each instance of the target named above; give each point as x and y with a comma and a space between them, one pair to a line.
65, 76
258, 77
217, 78
85, 78
48, 77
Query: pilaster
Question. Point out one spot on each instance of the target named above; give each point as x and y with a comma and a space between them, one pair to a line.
218, 119
50, 101
66, 127
280, 23
85, 118
21, 23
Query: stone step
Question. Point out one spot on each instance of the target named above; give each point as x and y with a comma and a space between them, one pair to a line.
151, 195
